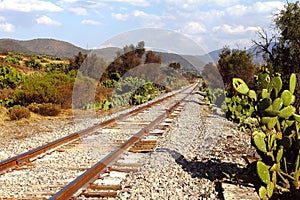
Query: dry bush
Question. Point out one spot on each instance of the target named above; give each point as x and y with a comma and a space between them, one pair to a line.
34, 107
103, 93
18, 112
48, 109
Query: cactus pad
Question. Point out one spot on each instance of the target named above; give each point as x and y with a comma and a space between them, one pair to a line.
262, 192
293, 81
260, 143
270, 189
277, 104
297, 117
279, 154
240, 86
252, 94
287, 112
265, 94
286, 97
263, 172
277, 83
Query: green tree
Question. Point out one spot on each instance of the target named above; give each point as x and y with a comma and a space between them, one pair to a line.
212, 76
235, 63
282, 50
287, 51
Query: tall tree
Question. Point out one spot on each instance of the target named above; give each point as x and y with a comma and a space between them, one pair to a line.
77, 61
212, 77
152, 58
130, 58
235, 63
288, 49
282, 50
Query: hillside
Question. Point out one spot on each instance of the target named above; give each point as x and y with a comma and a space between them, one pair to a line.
108, 53
49, 47
9, 45
213, 56
187, 62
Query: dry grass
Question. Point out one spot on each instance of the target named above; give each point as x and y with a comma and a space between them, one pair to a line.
36, 124
3, 115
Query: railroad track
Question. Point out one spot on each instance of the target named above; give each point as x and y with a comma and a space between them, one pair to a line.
69, 167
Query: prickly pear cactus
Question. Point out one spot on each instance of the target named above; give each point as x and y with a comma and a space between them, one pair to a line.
279, 138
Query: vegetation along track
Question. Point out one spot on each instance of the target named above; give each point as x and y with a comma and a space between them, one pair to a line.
50, 171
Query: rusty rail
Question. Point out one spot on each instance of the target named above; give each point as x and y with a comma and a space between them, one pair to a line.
90, 175
25, 157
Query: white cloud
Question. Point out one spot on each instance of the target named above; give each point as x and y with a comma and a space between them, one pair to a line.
119, 16
47, 21
29, 5
148, 20
240, 29
267, 7
194, 5
78, 11
223, 3
6, 27
256, 8
194, 28
91, 4
141, 3
90, 22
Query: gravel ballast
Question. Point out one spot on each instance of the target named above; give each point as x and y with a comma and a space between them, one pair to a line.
190, 158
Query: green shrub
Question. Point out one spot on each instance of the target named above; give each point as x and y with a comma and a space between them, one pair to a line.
9, 77
135, 91
215, 96
18, 112
144, 94
62, 67
110, 83
32, 63
53, 88
11, 61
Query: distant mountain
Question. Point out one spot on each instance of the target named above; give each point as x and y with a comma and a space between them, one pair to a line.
49, 47
9, 45
188, 62
67, 50
213, 56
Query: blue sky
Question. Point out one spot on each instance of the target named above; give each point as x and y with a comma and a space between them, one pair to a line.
88, 24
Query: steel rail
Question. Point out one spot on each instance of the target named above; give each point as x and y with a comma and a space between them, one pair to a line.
25, 157
90, 175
